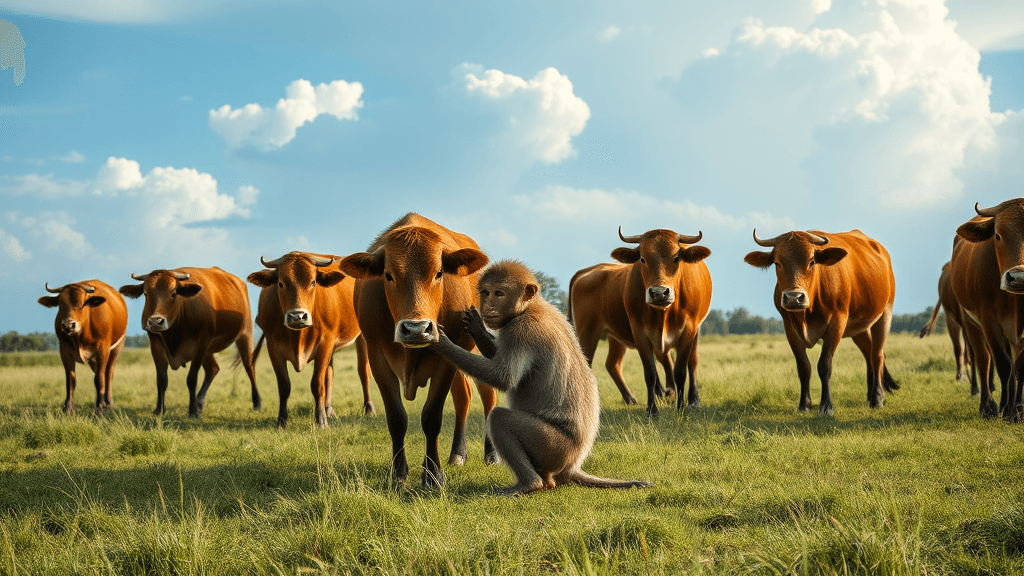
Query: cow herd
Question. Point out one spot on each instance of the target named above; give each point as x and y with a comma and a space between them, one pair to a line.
408, 294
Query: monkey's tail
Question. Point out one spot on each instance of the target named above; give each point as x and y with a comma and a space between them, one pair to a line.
930, 326
888, 382
581, 478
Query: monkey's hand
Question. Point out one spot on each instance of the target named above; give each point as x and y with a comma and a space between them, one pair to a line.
474, 324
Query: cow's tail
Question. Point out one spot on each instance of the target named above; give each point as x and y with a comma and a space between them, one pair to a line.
888, 382
568, 297
255, 353
930, 326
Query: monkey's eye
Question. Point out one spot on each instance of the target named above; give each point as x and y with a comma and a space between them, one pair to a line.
499, 293
439, 274
484, 293
389, 277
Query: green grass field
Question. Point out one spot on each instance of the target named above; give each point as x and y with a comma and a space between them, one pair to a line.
744, 485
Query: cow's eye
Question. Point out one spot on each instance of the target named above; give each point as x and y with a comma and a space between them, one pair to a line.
676, 260
440, 273
776, 265
280, 284
642, 261
810, 264
313, 284
389, 277
998, 237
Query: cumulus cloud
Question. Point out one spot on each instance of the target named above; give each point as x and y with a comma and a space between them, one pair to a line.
879, 99
542, 114
42, 186
13, 248
271, 128
608, 34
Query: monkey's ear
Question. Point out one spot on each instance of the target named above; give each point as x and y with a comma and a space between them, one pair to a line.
977, 231
626, 255
694, 254
759, 259
132, 290
364, 265
263, 278
463, 262
49, 301
529, 291
329, 279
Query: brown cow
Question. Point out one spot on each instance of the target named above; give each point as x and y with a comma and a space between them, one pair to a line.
416, 275
827, 294
90, 325
653, 301
961, 349
191, 314
306, 313
987, 275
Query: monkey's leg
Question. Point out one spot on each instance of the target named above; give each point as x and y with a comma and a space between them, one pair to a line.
535, 450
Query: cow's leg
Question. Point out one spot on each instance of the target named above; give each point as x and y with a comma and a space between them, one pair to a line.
687, 351
318, 384
959, 353
829, 344
1012, 403
284, 382
863, 342
613, 363
70, 379
969, 357
462, 396
589, 334
430, 420
489, 399
244, 347
108, 375
161, 385
394, 411
210, 370
650, 377
1004, 367
983, 358
98, 364
363, 368
670, 380
803, 367
329, 396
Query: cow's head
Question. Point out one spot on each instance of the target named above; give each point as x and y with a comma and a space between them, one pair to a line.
74, 303
297, 277
798, 258
659, 255
414, 262
165, 291
1004, 225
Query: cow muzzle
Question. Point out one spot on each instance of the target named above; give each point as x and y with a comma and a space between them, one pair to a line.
70, 327
416, 333
157, 324
795, 300
297, 319
1013, 280
660, 296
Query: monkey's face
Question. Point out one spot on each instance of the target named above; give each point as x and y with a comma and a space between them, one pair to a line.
503, 301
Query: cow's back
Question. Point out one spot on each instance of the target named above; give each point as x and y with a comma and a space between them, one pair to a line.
220, 310
863, 281
600, 293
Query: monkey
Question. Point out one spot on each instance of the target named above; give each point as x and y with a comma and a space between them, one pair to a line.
553, 409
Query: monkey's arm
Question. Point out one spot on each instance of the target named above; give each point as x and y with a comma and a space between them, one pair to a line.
474, 324
498, 373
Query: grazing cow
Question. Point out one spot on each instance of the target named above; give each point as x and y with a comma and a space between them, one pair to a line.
306, 313
191, 314
90, 325
654, 301
961, 350
987, 274
416, 276
827, 294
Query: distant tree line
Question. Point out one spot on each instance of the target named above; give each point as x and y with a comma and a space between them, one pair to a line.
741, 321
41, 341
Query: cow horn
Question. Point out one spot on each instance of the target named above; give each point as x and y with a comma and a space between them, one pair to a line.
321, 262
817, 240
684, 239
272, 263
142, 277
989, 212
629, 239
53, 290
180, 275
89, 288
767, 243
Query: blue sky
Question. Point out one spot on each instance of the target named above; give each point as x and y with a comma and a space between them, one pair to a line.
161, 134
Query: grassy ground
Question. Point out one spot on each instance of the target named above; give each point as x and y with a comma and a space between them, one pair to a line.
744, 485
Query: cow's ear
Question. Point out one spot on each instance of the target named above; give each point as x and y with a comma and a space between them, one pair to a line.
188, 290
829, 256
50, 301
95, 301
328, 279
263, 278
626, 255
759, 259
132, 290
364, 265
694, 254
977, 231
463, 262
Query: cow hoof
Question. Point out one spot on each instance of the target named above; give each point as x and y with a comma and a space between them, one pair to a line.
990, 410
695, 405
282, 423
433, 479
456, 460
368, 409
825, 411
257, 404
652, 411
69, 409
629, 400
330, 411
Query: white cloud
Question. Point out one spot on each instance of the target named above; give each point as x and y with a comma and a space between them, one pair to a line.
46, 187
710, 52
543, 114
880, 100
118, 174
270, 128
73, 157
13, 248
143, 11
608, 34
